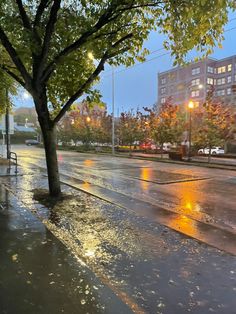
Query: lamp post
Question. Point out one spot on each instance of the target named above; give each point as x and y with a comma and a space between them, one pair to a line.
188, 89
7, 122
190, 107
113, 108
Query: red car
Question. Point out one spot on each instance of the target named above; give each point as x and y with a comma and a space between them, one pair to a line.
148, 146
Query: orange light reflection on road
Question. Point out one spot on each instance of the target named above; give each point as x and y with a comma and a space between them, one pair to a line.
89, 163
184, 224
146, 174
188, 195
86, 185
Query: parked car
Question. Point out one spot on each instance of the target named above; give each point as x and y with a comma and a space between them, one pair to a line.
214, 151
145, 145
167, 147
31, 142
148, 146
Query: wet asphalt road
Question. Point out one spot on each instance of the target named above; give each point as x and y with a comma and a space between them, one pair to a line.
206, 195
146, 264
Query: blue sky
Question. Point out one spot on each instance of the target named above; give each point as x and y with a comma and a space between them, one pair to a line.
137, 86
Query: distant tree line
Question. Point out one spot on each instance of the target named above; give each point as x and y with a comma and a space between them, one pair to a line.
212, 124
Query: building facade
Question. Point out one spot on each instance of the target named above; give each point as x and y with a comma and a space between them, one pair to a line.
193, 81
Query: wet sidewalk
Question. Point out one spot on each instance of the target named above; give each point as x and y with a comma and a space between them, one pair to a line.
39, 275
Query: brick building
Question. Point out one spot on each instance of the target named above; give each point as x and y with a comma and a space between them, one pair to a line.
191, 82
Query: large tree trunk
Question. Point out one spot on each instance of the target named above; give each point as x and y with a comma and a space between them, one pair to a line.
49, 138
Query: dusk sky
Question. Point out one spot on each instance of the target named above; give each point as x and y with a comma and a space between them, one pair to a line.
137, 86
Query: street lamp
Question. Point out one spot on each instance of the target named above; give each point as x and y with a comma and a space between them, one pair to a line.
190, 107
188, 89
113, 113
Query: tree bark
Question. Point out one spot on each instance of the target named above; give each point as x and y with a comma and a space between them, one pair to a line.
161, 150
49, 138
209, 155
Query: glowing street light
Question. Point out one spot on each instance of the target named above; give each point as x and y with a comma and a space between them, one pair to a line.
190, 105
88, 119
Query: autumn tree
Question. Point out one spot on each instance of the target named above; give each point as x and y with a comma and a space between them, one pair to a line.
216, 123
102, 128
45, 46
130, 128
85, 121
166, 124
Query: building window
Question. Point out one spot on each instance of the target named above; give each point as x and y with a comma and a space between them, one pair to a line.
172, 77
163, 80
210, 81
229, 67
220, 92
210, 70
221, 81
228, 91
221, 70
195, 93
229, 79
163, 100
195, 71
195, 82
163, 90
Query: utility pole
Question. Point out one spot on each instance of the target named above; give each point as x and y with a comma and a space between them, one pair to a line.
113, 111
7, 126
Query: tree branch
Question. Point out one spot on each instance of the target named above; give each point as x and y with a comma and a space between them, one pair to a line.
152, 4
48, 33
108, 16
24, 16
81, 90
13, 75
14, 56
50, 26
91, 78
42, 6
103, 20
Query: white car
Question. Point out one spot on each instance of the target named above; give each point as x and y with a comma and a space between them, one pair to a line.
214, 151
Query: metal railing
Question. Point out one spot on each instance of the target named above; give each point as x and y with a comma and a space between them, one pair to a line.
13, 156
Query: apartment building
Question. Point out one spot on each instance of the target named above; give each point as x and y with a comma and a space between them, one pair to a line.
193, 81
